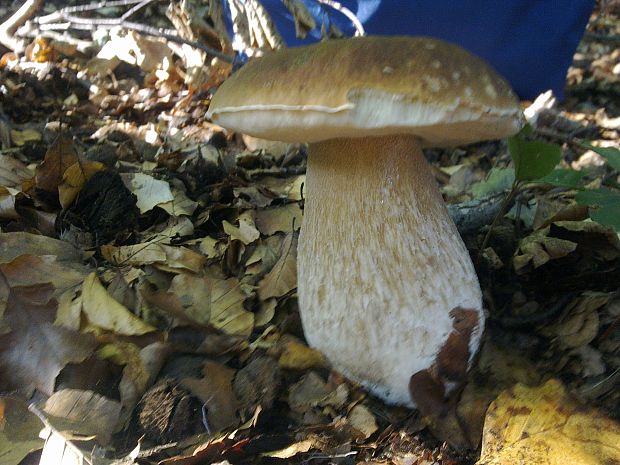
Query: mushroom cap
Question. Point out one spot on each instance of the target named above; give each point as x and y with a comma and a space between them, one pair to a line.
369, 86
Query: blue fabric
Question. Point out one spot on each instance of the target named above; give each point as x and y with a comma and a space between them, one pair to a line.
530, 42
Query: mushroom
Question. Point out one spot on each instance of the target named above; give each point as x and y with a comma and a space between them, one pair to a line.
387, 290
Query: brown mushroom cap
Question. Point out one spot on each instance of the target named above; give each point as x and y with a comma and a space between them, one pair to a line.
369, 86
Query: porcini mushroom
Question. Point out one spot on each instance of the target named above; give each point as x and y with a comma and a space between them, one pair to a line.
387, 290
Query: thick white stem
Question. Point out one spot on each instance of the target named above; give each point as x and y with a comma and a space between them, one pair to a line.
380, 265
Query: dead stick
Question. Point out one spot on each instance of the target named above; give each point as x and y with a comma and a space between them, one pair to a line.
8, 28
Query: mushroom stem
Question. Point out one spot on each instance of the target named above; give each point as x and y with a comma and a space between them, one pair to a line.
380, 263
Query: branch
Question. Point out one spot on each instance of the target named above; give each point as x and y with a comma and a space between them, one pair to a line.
64, 19
8, 28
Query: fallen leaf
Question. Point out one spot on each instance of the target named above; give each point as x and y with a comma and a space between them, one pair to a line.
579, 324
83, 412
130, 47
216, 393
21, 138
58, 158
34, 351
181, 204
246, 232
14, 244
298, 356
284, 218
544, 425
141, 367
19, 431
194, 294
74, 178
292, 450
171, 258
13, 172
149, 191
362, 420
104, 311
212, 248
538, 249
288, 188
227, 311
308, 392
283, 277
7, 204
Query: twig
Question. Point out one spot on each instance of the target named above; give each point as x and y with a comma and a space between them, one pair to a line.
346, 12
516, 185
82, 8
470, 216
75, 22
8, 28
135, 9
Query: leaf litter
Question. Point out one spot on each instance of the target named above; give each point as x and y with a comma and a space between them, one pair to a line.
148, 275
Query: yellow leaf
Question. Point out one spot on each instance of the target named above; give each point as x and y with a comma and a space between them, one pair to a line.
227, 312
544, 425
105, 312
74, 178
20, 138
298, 356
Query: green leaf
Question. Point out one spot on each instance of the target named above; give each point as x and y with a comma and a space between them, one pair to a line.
564, 178
533, 159
498, 180
611, 154
606, 205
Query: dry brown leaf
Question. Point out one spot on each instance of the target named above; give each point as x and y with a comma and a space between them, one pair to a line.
284, 218
19, 431
215, 391
579, 324
204, 301
538, 248
212, 248
171, 258
28, 270
58, 158
283, 277
194, 295
308, 392
246, 232
83, 412
288, 188
292, 450
362, 420
34, 351
104, 311
544, 425
13, 172
74, 178
141, 367
7, 204
227, 311
14, 244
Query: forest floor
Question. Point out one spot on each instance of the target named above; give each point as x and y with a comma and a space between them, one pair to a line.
148, 309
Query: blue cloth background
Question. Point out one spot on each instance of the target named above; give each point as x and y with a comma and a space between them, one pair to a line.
530, 42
